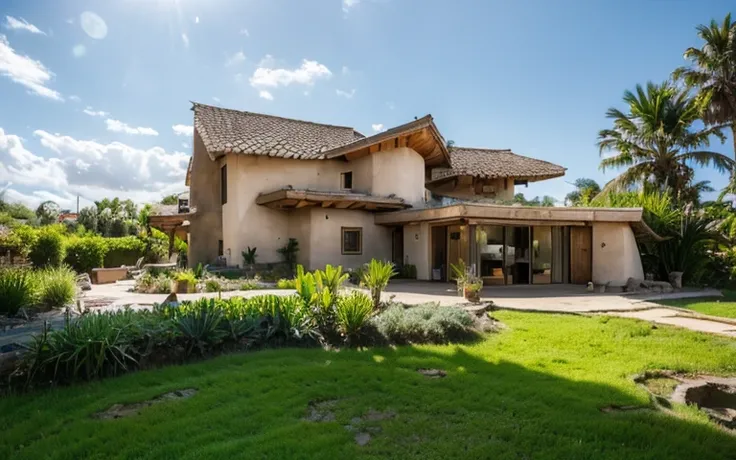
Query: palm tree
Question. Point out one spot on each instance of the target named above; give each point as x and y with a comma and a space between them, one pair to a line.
656, 142
713, 73
585, 190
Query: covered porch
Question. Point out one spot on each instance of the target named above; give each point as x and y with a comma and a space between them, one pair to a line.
520, 246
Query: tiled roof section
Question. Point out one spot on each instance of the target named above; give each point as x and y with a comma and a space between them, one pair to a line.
227, 130
489, 164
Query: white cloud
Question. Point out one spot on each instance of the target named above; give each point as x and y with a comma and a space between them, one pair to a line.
196, 19
306, 74
378, 127
183, 130
75, 98
267, 61
265, 95
120, 127
245, 32
88, 168
185, 145
94, 113
93, 25
28, 72
185, 39
345, 70
21, 24
216, 99
347, 4
79, 50
345, 94
236, 58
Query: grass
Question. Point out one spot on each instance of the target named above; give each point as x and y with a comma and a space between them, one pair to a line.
532, 391
724, 307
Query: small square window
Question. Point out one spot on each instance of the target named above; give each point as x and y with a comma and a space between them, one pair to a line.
346, 180
352, 240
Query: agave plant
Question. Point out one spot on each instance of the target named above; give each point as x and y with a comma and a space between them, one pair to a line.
376, 277
17, 290
200, 325
353, 313
249, 256
331, 278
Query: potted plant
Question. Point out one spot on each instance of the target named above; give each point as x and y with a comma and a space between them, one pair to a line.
185, 281
471, 289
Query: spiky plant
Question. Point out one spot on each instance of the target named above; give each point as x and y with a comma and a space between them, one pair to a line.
353, 312
376, 276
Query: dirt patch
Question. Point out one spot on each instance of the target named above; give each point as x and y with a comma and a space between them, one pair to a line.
716, 397
320, 411
433, 373
616, 408
126, 410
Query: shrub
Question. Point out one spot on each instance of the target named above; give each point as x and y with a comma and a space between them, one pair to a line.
289, 251
149, 283
188, 277
352, 314
331, 278
125, 250
199, 325
85, 253
428, 323
284, 283
56, 287
47, 249
376, 277
249, 256
249, 285
212, 285
408, 271
17, 290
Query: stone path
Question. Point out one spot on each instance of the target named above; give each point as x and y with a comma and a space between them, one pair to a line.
657, 314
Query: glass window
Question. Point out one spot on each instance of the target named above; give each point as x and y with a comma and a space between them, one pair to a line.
223, 184
347, 180
352, 240
542, 255
490, 249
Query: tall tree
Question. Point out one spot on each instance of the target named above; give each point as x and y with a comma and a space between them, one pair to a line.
656, 142
48, 212
712, 72
585, 190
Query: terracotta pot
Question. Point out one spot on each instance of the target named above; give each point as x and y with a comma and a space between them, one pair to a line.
471, 295
182, 287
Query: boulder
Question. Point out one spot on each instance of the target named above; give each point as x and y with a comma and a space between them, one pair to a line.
171, 300
84, 282
676, 280
647, 286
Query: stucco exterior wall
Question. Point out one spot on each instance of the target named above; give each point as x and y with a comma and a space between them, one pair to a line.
616, 257
300, 226
325, 243
244, 223
416, 249
463, 189
399, 172
206, 226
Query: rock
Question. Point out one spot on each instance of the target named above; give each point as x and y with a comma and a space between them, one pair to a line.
591, 287
362, 439
479, 310
642, 286
317, 411
126, 410
676, 280
84, 282
171, 300
433, 373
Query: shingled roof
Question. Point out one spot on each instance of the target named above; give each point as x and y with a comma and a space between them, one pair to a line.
226, 130
489, 164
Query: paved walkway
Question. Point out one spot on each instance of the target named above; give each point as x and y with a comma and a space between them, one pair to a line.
548, 299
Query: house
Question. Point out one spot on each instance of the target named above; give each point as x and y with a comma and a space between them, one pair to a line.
258, 180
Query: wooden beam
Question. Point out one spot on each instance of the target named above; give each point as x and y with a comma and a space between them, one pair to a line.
303, 203
343, 204
327, 204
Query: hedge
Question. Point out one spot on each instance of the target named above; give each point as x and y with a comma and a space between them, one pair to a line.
85, 253
125, 250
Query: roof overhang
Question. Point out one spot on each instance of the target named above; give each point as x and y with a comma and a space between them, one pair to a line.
511, 215
421, 135
455, 175
295, 199
171, 222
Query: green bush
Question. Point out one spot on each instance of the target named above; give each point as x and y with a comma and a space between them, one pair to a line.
376, 277
285, 283
212, 285
352, 314
17, 290
428, 323
85, 253
125, 250
48, 249
57, 287
249, 285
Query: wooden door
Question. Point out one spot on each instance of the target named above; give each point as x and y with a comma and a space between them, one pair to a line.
581, 255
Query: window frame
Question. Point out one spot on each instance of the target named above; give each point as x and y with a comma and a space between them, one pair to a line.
359, 230
343, 175
223, 184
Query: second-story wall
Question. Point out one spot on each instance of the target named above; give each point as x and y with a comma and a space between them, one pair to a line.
464, 188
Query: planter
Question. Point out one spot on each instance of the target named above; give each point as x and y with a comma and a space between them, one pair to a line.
471, 295
181, 287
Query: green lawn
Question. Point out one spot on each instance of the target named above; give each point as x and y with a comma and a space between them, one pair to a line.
531, 391
724, 307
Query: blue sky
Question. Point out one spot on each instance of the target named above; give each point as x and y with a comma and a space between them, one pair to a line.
91, 92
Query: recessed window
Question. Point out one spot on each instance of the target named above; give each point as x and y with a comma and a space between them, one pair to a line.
346, 180
223, 184
352, 240
220, 248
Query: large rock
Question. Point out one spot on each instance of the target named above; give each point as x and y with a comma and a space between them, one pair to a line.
84, 282
676, 280
647, 286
